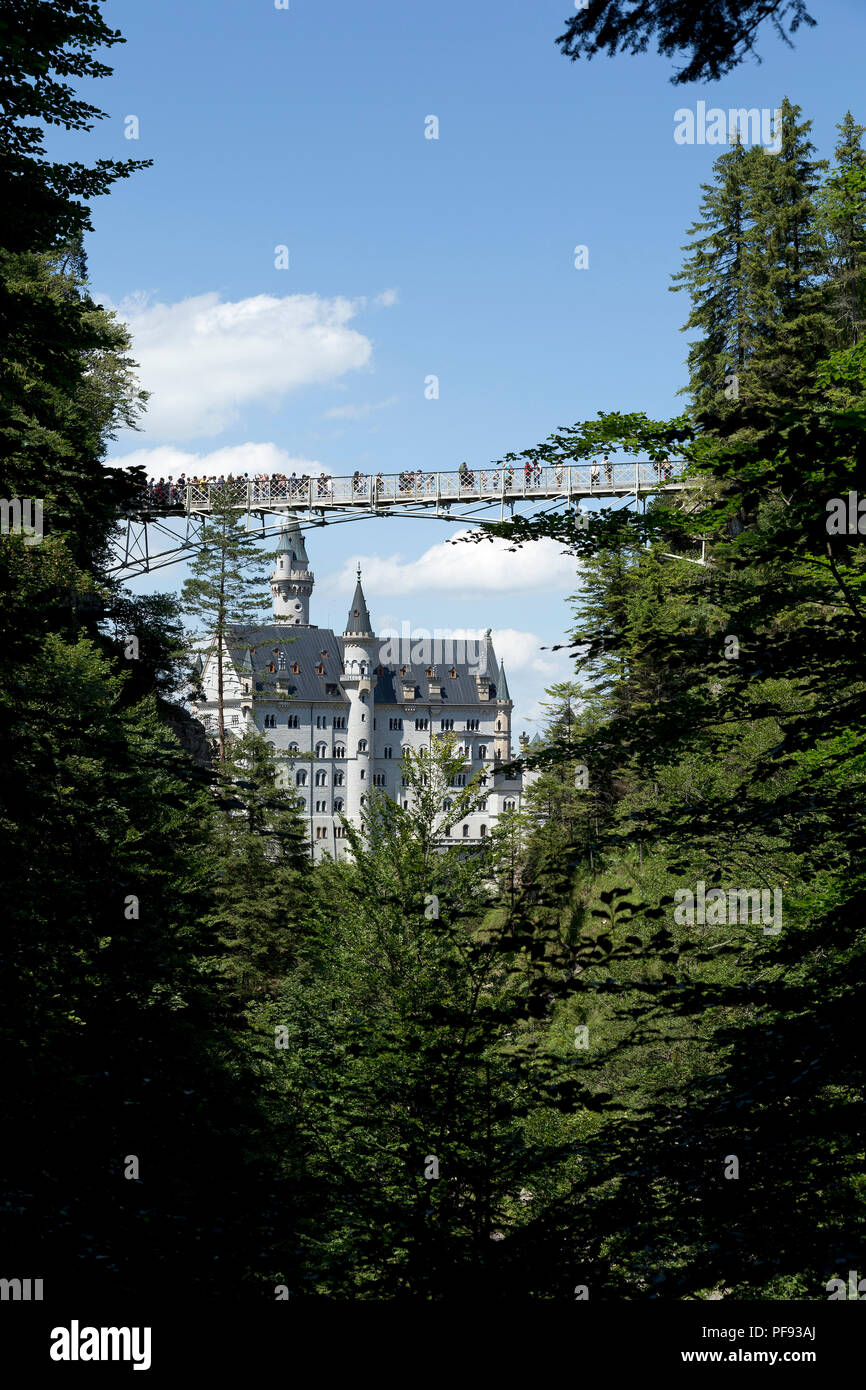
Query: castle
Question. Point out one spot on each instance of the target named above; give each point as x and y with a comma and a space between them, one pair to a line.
353, 703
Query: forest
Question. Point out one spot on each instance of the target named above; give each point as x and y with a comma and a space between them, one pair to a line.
526, 1070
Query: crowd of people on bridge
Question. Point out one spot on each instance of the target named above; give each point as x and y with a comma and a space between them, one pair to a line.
167, 493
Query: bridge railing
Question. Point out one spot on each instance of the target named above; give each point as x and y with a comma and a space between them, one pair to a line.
378, 490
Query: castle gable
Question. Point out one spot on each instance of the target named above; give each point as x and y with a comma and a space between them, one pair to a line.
284, 648
464, 687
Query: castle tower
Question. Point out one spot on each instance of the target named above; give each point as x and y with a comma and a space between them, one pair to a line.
359, 660
292, 579
504, 706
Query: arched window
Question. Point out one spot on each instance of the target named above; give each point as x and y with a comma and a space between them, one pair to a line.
446, 804
339, 751
321, 750
466, 832
509, 806
362, 745
483, 831
363, 800
293, 748
301, 778
339, 779
292, 721
321, 778
498, 724
338, 803
363, 774
482, 750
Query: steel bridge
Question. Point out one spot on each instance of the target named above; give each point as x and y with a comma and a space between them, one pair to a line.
464, 495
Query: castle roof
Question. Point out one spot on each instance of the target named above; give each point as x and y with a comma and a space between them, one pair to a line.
319, 655
291, 543
358, 622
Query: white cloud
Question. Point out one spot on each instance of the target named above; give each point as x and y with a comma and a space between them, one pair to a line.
165, 461
358, 412
468, 571
203, 359
386, 300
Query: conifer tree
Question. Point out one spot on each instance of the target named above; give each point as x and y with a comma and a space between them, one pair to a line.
263, 868
843, 209
788, 299
227, 582
718, 273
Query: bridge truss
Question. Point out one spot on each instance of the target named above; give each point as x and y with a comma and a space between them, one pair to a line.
460, 497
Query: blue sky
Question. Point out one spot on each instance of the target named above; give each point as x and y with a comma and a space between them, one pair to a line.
409, 257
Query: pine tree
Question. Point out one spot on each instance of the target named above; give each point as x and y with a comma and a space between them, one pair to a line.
718, 274
788, 298
843, 208
263, 868
227, 583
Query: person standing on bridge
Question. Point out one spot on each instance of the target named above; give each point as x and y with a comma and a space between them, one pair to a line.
608, 470
527, 473
594, 475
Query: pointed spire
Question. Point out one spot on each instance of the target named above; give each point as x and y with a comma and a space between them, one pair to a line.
246, 666
292, 543
502, 694
358, 622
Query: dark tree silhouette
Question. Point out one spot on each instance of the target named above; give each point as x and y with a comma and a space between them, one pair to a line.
715, 37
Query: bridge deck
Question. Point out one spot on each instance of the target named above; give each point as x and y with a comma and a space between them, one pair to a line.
438, 490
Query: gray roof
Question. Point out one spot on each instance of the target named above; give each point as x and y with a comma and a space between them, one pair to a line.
358, 620
303, 646
292, 543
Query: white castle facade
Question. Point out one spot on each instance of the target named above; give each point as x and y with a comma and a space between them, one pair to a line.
340, 710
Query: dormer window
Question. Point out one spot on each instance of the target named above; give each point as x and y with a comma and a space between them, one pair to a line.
296, 670
429, 673
453, 673
323, 653
271, 667
320, 670
403, 670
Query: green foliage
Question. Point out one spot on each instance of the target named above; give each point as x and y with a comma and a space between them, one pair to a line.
715, 38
